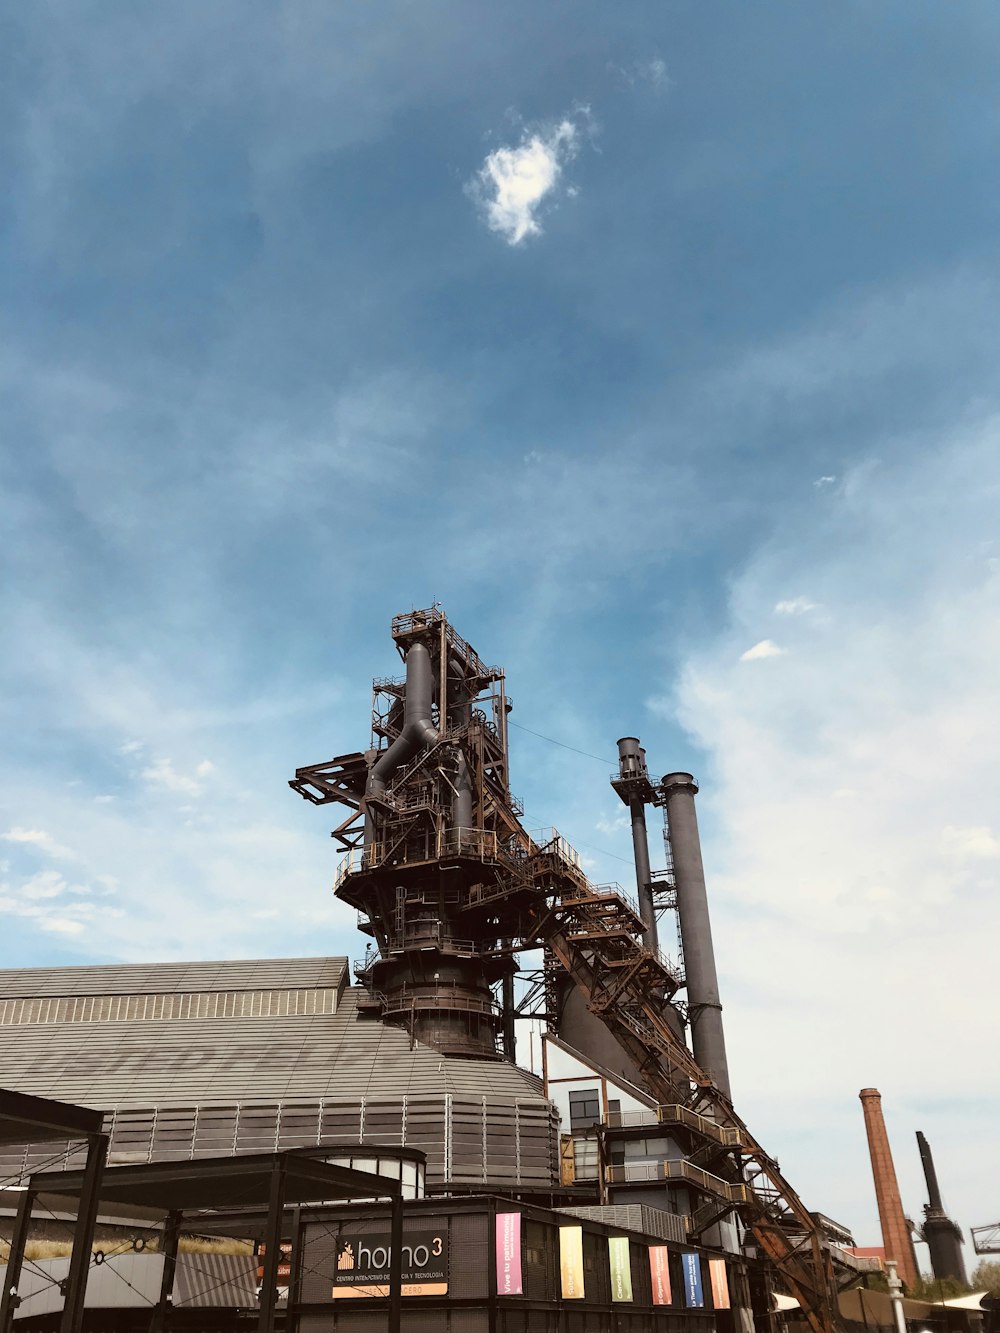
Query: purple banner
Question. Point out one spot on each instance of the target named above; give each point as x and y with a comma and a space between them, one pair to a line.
509, 1254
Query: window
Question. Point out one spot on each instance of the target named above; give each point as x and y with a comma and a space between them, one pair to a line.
584, 1108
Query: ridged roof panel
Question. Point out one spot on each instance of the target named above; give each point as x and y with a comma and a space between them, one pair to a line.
332, 1057
162, 978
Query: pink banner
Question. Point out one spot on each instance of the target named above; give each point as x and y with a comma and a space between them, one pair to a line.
509, 1254
659, 1268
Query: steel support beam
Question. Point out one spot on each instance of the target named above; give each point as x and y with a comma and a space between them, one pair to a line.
396, 1263
10, 1299
272, 1250
168, 1248
83, 1236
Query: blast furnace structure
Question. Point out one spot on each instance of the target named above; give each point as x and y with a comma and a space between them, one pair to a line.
450, 887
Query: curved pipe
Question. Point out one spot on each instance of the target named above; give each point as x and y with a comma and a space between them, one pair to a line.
418, 729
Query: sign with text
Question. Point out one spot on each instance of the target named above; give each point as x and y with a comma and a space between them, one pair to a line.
719, 1281
659, 1272
571, 1262
694, 1296
363, 1265
621, 1268
508, 1242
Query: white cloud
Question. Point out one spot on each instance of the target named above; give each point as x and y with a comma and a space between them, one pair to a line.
46, 884
513, 183
850, 825
39, 839
820, 482
971, 844
61, 925
766, 648
794, 606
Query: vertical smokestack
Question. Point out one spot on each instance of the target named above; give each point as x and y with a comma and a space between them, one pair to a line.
943, 1237
895, 1229
930, 1175
704, 1006
632, 781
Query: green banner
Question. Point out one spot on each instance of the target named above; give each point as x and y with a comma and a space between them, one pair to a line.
621, 1268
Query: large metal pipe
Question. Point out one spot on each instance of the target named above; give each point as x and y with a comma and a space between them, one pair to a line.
418, 728
708, 1041
632, 765
459, 714
930, 1175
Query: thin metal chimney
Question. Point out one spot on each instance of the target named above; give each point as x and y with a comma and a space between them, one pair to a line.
634, 787
896, 1237
708, 1042
943, 1236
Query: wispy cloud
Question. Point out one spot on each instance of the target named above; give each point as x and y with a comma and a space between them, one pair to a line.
794, 606
162, 773
853, 800
651, 70
41, 840
514, 183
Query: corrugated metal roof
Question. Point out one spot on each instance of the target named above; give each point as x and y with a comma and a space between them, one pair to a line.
219, 1061
160, 978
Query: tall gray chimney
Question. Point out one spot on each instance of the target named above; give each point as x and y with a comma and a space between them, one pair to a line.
704, 1006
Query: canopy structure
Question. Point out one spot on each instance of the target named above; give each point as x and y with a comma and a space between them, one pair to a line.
246, 1194
26, 1119
874, 1308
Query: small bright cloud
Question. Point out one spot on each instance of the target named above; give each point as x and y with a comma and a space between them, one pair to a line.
766, 648
61, 925
513, 183
820, 482
794, 606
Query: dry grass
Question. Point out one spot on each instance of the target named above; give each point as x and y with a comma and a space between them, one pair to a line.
60, 1249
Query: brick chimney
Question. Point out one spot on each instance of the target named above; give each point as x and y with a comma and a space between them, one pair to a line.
896, 1235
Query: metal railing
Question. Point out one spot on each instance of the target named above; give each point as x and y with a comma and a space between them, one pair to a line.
551, 842
677, 1170
676, 1115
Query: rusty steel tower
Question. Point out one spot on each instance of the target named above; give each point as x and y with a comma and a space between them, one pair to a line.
431, 815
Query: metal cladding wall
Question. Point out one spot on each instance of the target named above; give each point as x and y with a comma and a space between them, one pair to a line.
469, 1141
470, 1304
206, 1059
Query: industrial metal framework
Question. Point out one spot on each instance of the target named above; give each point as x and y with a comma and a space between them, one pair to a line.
451, 886
986, 1240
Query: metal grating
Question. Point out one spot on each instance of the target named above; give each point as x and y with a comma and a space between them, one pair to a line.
169, 1005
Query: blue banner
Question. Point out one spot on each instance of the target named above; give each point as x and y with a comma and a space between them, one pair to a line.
691, 1268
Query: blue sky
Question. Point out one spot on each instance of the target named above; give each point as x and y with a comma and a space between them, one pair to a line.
657, 342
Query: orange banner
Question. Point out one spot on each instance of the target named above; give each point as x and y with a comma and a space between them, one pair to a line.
571, 1262
659, 1270
719, 1279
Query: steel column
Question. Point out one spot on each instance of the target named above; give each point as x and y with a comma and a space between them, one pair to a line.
168, 1248
272, 1250
10, 1300
396, 1263
83, 1235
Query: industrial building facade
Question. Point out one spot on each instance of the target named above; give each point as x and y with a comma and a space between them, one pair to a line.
197, 1060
